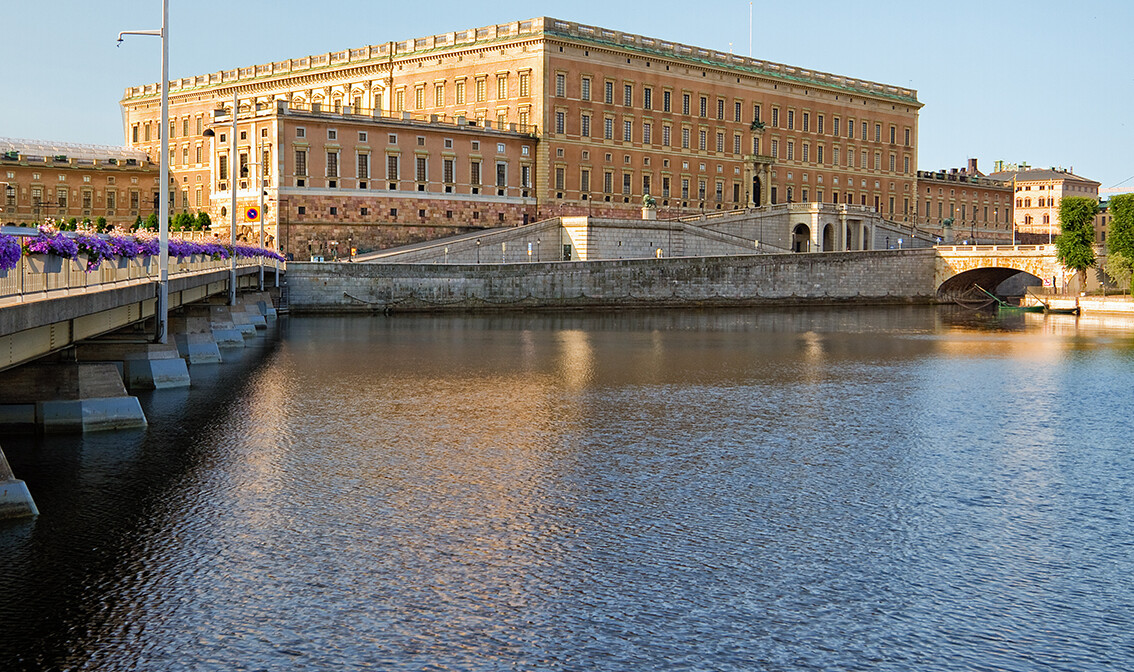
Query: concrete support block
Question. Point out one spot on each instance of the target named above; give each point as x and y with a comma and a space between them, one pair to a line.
71, 397
90, 415
194, 340
242, 320
15, 499
262, 301
221, 325
145, 366
198, 348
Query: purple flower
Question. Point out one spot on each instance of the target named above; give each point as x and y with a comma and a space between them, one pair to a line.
57, 244
95, 247
124, 247
10, 252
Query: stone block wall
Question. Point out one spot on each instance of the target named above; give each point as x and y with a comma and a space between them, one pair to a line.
879, 277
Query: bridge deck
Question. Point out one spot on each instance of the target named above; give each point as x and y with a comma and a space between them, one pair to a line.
42, 312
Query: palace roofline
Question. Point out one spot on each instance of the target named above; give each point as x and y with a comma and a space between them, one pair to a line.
540, 26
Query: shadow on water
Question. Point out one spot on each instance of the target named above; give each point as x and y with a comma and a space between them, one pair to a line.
101, 495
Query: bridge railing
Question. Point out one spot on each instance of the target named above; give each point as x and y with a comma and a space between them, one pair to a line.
34, 278
1043, 249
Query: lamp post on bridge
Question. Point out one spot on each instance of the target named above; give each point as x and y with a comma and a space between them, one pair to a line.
162, 311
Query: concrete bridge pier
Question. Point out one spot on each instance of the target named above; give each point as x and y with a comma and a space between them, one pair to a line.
263, 302
224, 330
145, 366
247, 312
68, 397
194, 340
15, 499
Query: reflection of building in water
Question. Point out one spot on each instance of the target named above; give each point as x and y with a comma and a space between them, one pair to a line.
576, 361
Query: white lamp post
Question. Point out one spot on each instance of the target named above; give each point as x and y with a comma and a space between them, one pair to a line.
162, 310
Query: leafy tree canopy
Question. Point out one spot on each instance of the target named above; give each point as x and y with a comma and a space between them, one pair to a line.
1075, 245
1120, 239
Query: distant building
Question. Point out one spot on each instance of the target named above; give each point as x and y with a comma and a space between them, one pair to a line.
39, 180
608, 117
1038, 192
1102, 222
977, 207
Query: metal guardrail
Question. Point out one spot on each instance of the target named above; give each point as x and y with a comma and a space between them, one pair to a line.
32, 280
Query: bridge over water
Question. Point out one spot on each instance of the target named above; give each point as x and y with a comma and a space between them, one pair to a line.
74, 344
959, 267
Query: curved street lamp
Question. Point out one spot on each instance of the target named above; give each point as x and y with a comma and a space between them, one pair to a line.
161, 312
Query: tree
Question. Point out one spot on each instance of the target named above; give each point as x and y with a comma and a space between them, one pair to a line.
137, 223
1120, 240
1074, 248
100, 224
152, 222
182, 221
203, 221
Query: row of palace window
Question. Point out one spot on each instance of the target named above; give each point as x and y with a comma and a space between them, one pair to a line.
965, 212
1040, 202
461, 90
147, 131
40, 197
421, 171
820, 156
721, 105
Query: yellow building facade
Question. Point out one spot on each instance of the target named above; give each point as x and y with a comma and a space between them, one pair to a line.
607, 117
1038, 192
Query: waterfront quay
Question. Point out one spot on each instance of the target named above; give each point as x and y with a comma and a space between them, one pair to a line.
869, 277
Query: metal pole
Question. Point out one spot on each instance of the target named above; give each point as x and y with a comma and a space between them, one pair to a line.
260, 190
163, 216
161, 310
234, 173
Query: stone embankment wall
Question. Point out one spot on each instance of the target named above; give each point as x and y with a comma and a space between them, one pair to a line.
880, 277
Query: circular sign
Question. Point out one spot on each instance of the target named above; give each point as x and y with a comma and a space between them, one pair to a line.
252, 214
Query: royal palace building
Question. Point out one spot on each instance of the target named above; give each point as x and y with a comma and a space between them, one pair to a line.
522, 121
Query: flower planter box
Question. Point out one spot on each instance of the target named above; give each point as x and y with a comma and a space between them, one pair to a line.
45, 263
123, 262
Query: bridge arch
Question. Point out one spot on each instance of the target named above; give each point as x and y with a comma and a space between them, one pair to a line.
989, 279
959, 267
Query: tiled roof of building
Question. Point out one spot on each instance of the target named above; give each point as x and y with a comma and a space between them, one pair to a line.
1039, 174
43, 148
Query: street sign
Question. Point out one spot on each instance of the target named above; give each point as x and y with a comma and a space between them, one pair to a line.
252, 215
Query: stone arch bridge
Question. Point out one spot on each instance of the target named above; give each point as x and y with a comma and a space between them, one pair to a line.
959, 267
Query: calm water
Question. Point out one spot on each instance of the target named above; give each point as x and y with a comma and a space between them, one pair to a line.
887, 489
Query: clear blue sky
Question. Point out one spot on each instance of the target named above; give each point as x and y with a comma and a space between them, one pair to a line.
1045, 82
